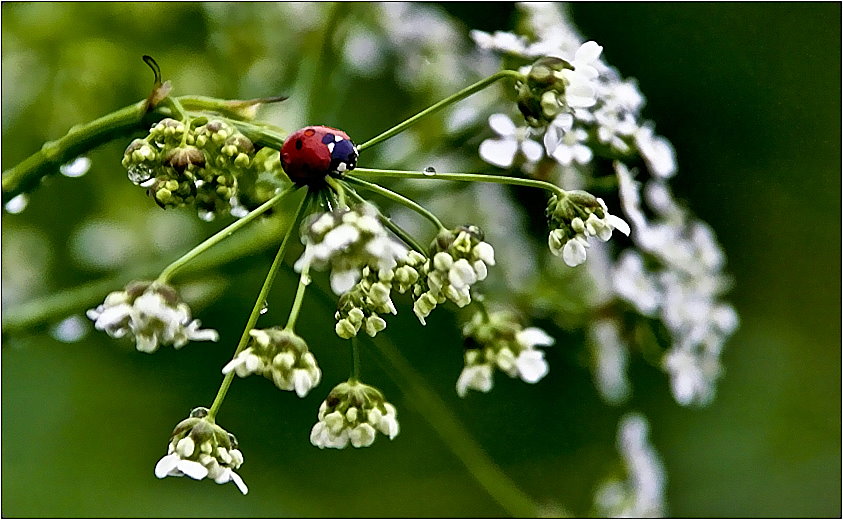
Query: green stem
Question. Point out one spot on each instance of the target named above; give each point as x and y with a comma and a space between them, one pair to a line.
259, 304
226, 232
380, 190
304, 281
80, 139
462, 94
355, 359
392, 226
464, 177
499, 486
338, 188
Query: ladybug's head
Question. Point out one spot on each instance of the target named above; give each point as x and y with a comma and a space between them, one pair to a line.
314, 152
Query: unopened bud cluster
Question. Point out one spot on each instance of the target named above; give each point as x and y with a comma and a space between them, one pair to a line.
200, 449
347, 241
499, 340
207, 166
371, 296
353, 413
459, 259
281, 356
152, 313
573, 219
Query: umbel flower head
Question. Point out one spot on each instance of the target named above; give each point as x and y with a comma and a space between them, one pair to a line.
347, 241
459, 259
211, 166
152, 313
371, 296
498, 340
353, 413
199, 448
576, 217
553, 85
281, 356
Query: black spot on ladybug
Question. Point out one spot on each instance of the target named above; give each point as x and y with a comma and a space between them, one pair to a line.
298, 144
327, 138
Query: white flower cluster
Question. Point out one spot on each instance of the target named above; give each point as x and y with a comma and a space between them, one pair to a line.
680, 281
347, 241
595, 101
498, 340
281, 356
200, 449
642, 494
152, 313
460, 258
353, 413
576, 217
359, 307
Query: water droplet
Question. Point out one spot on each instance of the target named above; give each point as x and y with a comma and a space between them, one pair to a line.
76, 168
430, 170
139, 173
206, 215
71, 329
264, 307
17, 204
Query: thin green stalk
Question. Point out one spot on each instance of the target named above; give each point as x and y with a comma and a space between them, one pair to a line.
304, 281
80, 139
226, 232
462, 94
338, 188
499, 486
355, 359
464, 177
392, 226
259, 304
397, 197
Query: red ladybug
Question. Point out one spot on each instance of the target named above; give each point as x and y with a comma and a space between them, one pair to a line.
310, 154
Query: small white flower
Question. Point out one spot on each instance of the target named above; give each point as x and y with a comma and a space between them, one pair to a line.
531, 365
635, 285
570, 149
500, 41
573, 252
657, 152
476, 377
501, 151
691, 377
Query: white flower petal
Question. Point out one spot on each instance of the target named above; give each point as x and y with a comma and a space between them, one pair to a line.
573, 253
500, 152
192, 469
534, 337
166, 465
531, 365
502, 125
532, 150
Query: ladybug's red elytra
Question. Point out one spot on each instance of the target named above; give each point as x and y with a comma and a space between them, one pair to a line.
310, 154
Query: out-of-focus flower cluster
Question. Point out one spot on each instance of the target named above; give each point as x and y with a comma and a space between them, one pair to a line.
641, 493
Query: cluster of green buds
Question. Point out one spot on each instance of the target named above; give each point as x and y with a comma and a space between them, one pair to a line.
575, 217
353, 413
499, 340
360, 307
552, 85
279, 355
207, 166
459, 259
199, 448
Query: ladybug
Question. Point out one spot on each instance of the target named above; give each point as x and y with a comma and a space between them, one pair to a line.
314, 152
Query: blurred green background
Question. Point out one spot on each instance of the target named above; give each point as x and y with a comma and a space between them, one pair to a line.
749, 94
